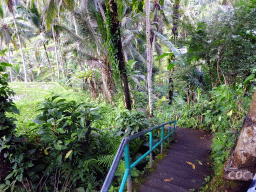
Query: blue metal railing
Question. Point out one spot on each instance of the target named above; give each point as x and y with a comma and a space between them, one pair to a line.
124, 148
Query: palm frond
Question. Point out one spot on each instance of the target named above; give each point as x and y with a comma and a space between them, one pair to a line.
87, 32
171, 46
1, 12
98, 20
50, 12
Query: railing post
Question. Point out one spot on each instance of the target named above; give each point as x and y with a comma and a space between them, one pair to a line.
169, 131
150, 147
127, 166
162, 138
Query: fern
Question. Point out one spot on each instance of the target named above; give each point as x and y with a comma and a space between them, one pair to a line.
106, 160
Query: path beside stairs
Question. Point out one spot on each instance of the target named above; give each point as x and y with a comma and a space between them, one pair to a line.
186, 165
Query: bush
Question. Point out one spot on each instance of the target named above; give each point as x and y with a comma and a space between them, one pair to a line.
64, 150
7, 125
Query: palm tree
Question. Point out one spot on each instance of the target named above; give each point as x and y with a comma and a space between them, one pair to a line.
6, 36
117, 44
91, 39
10, 7
56, 52
35, 18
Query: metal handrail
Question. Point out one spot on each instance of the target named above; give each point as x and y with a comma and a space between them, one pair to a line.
124, 148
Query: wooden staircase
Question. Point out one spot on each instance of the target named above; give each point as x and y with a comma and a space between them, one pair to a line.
186, 165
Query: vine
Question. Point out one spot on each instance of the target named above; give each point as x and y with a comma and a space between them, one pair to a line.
112, 39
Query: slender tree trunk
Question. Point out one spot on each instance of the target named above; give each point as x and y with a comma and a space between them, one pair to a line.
62, 62
176, 6
188, 95
31, 69
115, 31
170, 90
9, 61
130, 88
149, 58
49, 63
74, 21
56, 53
21, 50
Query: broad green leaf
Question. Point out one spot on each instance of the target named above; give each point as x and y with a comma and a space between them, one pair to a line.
68, 153
170, 66
45, 152
163, 55
59, 159
248, 79
1, 12
162, 2
3, 64
9, 176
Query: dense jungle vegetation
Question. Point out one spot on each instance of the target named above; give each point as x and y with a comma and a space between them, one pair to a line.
77, 76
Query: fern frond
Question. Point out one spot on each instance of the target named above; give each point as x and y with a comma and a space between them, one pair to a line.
106, 160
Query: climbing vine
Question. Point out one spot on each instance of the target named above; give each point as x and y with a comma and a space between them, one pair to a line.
112, 39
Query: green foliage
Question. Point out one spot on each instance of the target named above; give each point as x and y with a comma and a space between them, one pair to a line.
112, 39
7, 126
130, 122
64, 143
222, 113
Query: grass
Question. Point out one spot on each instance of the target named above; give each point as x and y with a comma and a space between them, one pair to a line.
29, 97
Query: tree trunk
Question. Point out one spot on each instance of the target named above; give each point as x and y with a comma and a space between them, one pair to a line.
106, 90
56, 53
176, 6
170, 90
92, 88
9, 61
188, 95
49, 63
21, 50
115, 31
149, 58
62, 62
242, 164
74, 21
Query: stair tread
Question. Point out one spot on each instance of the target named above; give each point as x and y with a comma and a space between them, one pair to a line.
182, 172
185, 166
186, 163
145, 188
187, 181
163, 186
182, 154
